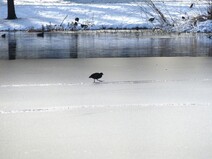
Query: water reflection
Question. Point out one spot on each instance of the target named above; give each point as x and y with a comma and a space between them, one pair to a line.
12, 47
74, 46
93, 44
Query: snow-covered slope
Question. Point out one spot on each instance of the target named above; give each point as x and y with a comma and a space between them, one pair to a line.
126, 15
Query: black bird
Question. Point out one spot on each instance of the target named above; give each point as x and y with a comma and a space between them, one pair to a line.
151, 19
77, 19
209, 36
84, 26
192, 4
3, 35
40, 34
96, 76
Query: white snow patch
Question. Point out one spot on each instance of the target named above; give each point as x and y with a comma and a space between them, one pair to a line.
102, 15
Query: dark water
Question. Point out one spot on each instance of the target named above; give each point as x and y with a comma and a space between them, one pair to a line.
24, 45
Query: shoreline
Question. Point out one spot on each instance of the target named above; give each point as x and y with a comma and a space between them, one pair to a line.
160, 31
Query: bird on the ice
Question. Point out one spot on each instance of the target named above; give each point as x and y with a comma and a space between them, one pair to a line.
96, 76
40, 34
3, 35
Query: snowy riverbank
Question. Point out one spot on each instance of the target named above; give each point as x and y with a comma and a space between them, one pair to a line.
33, 14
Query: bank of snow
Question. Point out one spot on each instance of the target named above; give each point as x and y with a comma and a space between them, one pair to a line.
131, 15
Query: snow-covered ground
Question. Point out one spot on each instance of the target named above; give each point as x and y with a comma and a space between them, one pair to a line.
151, 108
100, 15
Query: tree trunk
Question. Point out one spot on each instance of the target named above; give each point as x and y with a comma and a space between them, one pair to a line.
11, 10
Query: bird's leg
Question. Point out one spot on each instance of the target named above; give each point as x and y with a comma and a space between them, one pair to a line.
99, 80
93, 80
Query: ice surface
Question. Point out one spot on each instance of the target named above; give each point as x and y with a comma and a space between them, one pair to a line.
44, 83
144, 108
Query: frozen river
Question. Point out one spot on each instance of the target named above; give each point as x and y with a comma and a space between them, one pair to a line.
155, 104
147, 107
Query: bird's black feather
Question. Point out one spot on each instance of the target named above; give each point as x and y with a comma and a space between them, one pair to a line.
96, 76
3, 35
